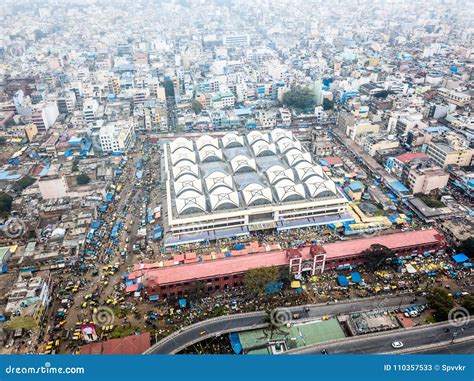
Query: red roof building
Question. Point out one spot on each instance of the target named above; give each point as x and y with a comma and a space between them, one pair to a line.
131, 345
223, 273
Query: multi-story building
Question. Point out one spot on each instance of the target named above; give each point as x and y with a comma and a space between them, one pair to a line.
117, 137
44, 116
66, 102
454, 97
90, 110
446, 154
427, 180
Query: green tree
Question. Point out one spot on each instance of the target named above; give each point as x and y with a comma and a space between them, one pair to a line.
255, 280
302, 98
328, 104
196, 291
441, 302
378, 256
196, 106
83, 179
25, 182
5, 203
467, 247
3, 140
75, 165
169, 87
468, 303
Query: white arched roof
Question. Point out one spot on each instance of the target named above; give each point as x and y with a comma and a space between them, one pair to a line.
187, 182
277, 173
294, 158
223, 198
206, 141
321, 189
255, 136
190, 202
306, 170
181, 143
243, 163
232, 140
279, 133
255, 193
287, 190
183, 155
185, 168
218, 180
285, 145
262, 148
210, 153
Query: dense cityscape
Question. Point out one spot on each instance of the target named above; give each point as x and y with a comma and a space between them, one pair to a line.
236, 177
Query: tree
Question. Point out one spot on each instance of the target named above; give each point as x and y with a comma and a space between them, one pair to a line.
5, 203
75, 165
377, 256
196, 291
25, 182
468, 303
255, 280
196, 106
3, 140
467, 247
441, 302
328, 104
302, 98
83, 179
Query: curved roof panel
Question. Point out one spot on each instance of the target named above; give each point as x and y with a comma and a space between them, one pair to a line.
223, 198
210, 154
256, 136
287, 190
294, 158
190, 202
306, 171
187, 182
285, 145
217, 180
321, 189
279, 133
256, 194
277, 173
181, 143
185, 168
206, 141
185, 155
231, 140
243, 163
262, 148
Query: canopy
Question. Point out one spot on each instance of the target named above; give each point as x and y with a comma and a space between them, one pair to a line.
342, 280
460, 258
355, 277
295, 284
182, 303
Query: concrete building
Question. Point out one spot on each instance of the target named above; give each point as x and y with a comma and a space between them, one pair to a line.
117, 137
237, 184
45, 116
426, 180
360, 128
454, 97
445, 154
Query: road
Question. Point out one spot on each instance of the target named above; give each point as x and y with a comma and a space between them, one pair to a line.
466, 347
196, 332
382, 343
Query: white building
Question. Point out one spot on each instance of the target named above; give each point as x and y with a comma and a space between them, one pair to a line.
117, 137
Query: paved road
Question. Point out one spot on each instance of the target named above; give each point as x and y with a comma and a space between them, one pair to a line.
196, 332
382, 343
466, 347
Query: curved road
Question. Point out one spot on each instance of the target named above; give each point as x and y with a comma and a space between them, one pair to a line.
239, 322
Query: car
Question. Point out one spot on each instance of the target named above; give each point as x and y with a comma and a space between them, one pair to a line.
397, 344
296, 316
202, 333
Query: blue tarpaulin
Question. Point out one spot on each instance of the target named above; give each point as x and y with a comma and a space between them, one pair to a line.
460, 258
235, 342
153, 297
239, 246
342, 280
355, 277
273, 288
182, 303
